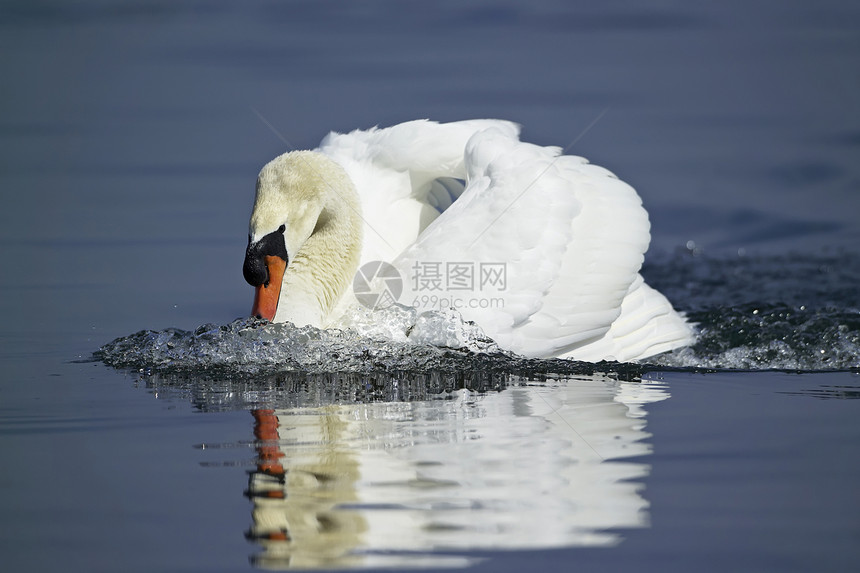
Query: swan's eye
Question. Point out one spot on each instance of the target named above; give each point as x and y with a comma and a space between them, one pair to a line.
282, 228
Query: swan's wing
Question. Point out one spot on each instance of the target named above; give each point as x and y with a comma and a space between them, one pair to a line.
539, 250
405, 176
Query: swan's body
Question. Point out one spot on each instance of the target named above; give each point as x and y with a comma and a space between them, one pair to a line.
561, 240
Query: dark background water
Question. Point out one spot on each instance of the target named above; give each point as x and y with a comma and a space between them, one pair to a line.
130, 137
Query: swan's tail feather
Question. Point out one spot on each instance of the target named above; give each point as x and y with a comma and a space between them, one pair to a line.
647, 326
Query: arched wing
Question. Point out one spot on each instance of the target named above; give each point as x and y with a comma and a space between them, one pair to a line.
540, 250
405, 175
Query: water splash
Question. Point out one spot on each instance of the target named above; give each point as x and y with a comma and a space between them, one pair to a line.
389, 341
788, 312
796, 313
771, 336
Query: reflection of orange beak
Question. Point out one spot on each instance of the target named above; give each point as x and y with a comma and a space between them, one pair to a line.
266, 295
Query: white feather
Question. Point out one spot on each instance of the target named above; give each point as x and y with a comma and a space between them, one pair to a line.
569, 235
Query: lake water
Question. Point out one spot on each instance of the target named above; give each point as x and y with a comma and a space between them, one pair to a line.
131, 136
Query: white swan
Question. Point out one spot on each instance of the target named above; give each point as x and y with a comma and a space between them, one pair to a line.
541, 250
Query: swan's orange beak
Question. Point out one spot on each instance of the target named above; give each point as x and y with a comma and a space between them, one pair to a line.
266, 295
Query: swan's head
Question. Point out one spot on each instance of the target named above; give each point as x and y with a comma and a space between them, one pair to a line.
292, 191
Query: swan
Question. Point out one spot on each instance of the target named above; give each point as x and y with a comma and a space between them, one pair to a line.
541, 250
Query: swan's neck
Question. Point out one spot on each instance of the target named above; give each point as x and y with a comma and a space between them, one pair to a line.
321, 271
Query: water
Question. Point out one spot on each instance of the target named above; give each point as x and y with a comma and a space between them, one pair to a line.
131, 135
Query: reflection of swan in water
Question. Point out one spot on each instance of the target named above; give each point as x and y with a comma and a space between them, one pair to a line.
534, 466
